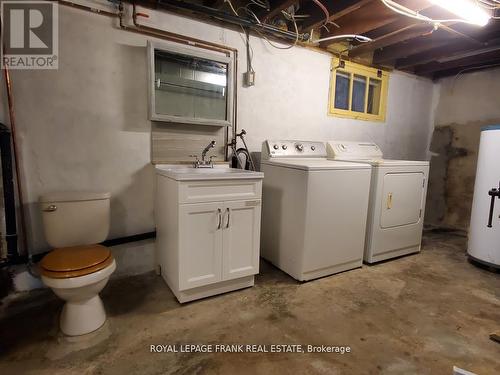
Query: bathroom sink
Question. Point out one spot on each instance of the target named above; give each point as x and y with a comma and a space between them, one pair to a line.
219, 172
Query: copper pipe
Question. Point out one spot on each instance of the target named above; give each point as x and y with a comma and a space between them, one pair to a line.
162, 34
175, 37
17, 161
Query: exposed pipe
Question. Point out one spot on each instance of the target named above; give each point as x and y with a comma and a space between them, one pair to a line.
17, 161
359, 38
8, 193
173, 37
108, 243
146, 30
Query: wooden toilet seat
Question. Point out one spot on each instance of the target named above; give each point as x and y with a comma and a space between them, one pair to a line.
66, 262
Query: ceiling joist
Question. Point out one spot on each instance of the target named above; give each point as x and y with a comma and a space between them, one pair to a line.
436, 69
411, 31
337, 9
397, 41
370, 17
409, 47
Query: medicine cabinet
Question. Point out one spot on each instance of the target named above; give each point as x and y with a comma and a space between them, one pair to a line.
190, 86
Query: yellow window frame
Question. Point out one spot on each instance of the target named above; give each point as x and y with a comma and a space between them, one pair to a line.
350, 68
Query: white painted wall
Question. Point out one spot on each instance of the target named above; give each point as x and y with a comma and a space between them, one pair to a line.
85, 125
472, 97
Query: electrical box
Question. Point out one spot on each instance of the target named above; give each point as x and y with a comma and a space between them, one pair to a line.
249, 78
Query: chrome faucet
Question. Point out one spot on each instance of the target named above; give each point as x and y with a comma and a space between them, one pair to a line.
206, 149
204, 163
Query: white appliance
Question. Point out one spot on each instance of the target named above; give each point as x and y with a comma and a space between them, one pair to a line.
397, 200
313, 211
484, 234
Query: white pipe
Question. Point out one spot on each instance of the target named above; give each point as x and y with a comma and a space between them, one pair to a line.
359, 38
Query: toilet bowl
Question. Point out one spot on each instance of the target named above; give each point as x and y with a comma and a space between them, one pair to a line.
77, 269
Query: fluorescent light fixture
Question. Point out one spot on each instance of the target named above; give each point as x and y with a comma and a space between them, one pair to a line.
465, 9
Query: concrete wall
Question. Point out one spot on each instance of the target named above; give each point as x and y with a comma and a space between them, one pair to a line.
85, 125
466, 103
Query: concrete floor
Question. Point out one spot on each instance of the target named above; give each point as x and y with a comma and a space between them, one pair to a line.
419, 314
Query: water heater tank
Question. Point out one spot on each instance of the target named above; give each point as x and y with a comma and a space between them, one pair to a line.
484, 233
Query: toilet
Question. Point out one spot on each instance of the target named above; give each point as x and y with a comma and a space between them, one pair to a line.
77, 268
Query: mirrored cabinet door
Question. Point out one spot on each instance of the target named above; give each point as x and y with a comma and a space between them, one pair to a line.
190, 86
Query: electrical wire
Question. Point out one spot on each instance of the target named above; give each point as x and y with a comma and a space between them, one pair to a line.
289, 46
261, 4
324, 9
259, 22
231, 6
245, 41
327, 21
249, 53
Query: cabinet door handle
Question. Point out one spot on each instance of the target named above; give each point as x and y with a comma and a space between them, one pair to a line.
389, 201
219, 213
228, 216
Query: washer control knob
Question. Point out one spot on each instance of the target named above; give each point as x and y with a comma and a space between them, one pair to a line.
284, 147
313, 148
299, 147
276, 147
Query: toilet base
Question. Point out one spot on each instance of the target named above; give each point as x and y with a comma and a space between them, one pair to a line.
82, 317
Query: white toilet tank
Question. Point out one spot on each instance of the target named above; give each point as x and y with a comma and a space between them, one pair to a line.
75, 218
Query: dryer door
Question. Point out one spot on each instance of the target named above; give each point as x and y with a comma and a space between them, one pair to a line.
402, 199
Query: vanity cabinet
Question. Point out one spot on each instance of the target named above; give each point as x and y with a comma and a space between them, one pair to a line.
208, 234
218, 241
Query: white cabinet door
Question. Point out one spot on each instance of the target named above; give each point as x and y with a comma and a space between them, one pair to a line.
200, 244
402, 199
241, 239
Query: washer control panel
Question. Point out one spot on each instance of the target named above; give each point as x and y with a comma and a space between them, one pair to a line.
291, 149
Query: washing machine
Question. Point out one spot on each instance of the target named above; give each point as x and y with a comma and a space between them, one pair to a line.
314, 210
484, 233
397, 199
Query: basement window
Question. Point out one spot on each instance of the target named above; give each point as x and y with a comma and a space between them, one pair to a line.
357, 91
